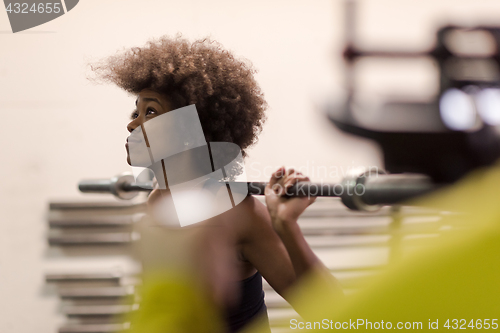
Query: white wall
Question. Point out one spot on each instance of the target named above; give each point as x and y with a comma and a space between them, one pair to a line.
57, 128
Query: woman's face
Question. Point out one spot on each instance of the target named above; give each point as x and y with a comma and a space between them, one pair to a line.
149, 104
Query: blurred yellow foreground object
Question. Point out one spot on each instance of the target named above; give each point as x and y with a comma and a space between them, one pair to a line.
173, 302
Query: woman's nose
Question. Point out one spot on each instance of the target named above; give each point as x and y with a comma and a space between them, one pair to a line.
133, 125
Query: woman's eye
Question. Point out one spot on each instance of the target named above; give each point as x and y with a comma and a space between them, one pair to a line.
150, 111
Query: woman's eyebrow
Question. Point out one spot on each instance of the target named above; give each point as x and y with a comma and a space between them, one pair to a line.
148, 99
152, 99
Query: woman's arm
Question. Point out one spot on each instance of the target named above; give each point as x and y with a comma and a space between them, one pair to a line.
261, 246
274, 243
284, 212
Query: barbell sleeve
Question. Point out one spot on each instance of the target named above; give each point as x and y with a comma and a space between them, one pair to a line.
395, 188
122, 186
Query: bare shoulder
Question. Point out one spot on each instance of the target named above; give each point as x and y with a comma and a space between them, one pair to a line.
251, 217
253, 209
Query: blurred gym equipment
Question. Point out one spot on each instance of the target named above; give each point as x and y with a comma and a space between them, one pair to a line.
448, 136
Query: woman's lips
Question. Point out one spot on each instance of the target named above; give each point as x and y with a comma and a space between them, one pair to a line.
134, 140
134, 143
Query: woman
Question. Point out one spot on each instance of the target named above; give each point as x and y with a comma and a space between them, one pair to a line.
243, 243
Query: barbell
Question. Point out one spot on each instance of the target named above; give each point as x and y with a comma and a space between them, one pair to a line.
364, 192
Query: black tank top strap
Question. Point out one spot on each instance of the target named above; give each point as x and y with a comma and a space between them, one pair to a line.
251, 305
